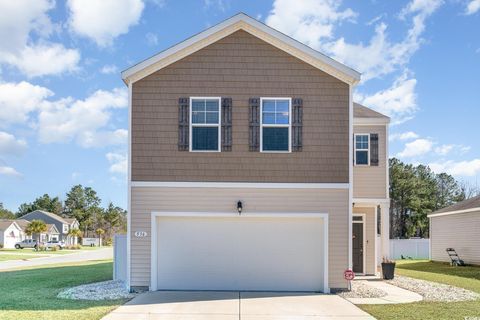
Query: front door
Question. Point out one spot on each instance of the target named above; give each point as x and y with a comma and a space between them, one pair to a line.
357, 235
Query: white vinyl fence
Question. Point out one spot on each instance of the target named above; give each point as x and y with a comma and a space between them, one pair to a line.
410, 248
120, 257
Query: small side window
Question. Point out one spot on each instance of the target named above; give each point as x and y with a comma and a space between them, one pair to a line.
362, 154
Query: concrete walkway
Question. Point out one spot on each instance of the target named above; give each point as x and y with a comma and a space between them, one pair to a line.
394, 294
222, 305
86, 255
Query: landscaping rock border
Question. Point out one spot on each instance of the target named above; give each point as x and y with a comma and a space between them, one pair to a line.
105, 290
433, 291
360, 289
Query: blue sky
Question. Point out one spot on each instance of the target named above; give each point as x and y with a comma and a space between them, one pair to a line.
63, 116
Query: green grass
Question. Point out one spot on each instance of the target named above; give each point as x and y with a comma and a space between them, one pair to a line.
31, 293
8, 257
463, 277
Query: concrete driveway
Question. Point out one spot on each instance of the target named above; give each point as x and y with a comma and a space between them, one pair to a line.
215, 305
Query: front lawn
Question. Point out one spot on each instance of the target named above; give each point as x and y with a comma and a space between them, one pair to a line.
8, 257
32, 293
463, 277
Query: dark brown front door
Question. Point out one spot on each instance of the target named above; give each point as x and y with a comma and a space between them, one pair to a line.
357, 235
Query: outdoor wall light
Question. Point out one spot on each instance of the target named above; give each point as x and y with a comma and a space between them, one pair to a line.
239, 207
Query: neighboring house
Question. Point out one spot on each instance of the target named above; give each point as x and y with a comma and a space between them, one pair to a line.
250, 167
63, 225
10, 233
458, 227
51, 234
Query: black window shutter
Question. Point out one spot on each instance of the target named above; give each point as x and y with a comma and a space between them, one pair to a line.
297, 124
183, 124
374, 149
254, 124
226, 124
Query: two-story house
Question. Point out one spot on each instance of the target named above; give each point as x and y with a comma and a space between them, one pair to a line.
62, 225
250, 167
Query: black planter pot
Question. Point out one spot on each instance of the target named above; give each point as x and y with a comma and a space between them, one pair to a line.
388, 270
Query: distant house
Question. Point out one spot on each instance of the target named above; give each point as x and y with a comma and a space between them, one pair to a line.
62, 225
10, 233
458, 227
51, 234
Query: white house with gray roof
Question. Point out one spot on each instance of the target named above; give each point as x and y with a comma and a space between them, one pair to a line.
63, 225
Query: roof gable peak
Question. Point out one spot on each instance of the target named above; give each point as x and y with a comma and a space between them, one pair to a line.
241, 21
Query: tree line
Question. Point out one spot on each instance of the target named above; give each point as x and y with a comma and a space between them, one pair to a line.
83, 204
415, 192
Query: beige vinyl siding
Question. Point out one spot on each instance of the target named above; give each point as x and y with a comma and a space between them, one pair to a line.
371, 233
371, 181
459, 231
154, 199
240, 66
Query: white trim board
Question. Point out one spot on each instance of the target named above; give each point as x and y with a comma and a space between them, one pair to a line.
154, 238
370, 121
433, 215
244, 22
251, 185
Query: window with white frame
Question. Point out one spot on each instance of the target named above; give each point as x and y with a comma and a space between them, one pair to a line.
205, 124
362, 152
275, 124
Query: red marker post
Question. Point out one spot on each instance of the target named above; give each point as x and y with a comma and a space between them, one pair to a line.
349, 275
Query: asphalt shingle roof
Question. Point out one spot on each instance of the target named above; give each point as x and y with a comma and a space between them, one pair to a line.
462, 205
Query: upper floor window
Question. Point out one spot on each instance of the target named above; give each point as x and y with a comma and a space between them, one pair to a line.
362, 149
65, 228
205, 124
275, 124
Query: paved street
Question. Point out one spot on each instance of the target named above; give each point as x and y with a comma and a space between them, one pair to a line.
83, 255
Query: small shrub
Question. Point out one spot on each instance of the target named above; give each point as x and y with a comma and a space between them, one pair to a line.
54, 248
42, 248
73, 247
108, 242
1, 246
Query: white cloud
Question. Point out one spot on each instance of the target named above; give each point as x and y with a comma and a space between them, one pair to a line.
84, 121
409, 135
308, 21
313, 22
152, 39
17, 100
21, 19
118, 162
472, 7
45, 59
9, 171
415, 148
109, 69
444, 149
398, 102
469, 168
103, 21
9, 145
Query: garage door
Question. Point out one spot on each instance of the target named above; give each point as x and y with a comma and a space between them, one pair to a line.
240, 253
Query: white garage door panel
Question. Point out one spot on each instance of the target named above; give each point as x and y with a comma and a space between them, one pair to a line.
240, 253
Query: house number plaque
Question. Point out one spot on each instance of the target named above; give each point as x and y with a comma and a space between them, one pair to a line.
140, 234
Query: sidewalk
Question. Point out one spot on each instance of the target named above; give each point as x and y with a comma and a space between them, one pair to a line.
394, 294
87, 255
